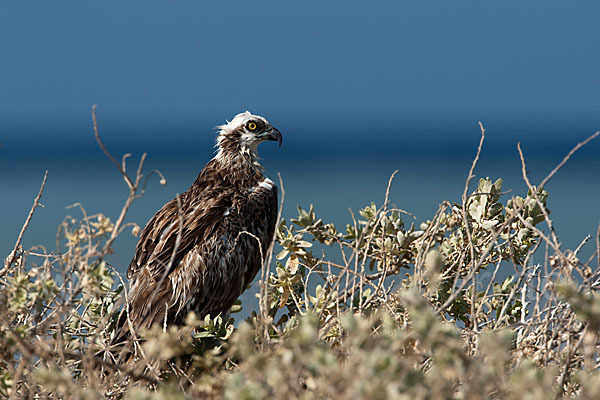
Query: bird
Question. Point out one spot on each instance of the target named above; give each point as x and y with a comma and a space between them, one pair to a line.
203, 248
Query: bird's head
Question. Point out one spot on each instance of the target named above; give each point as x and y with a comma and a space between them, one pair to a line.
244, 133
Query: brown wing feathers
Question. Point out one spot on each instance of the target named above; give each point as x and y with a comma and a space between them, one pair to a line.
214, 261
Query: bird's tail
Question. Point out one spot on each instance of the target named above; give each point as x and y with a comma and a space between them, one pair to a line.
120, 345
123, 339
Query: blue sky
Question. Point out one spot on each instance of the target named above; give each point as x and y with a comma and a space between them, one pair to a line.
195, 63
358, 89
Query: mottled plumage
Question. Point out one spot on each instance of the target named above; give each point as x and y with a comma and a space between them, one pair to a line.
199, 253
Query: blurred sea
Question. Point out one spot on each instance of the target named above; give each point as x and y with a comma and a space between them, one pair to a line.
336, 170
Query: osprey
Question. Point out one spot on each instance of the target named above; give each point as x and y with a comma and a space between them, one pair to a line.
202, 249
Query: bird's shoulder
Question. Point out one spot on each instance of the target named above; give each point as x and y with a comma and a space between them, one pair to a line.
195, 214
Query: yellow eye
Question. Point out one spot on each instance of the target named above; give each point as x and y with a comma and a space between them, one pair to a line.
252, 126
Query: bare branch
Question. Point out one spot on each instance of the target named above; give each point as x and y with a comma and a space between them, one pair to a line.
36, 203
566, 158
120, 168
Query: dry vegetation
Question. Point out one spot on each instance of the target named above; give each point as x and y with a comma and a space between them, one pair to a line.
383, 309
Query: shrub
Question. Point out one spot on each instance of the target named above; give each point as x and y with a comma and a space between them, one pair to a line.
384, 308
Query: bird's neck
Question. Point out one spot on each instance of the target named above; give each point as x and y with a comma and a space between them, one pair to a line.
241, 167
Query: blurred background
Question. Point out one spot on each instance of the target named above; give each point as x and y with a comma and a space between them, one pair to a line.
358, 89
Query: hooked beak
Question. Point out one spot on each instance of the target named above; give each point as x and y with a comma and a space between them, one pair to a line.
272, 134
